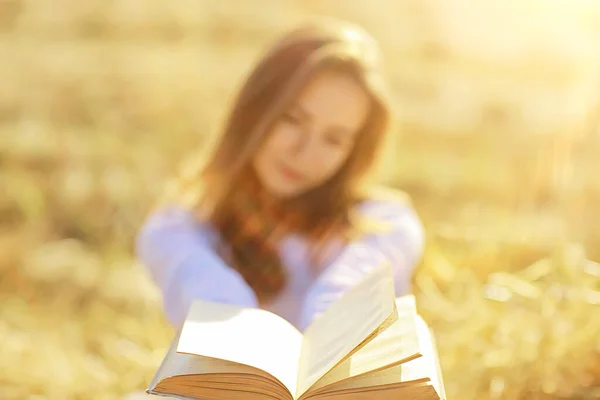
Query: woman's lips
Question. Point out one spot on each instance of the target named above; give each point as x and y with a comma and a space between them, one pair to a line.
290, 174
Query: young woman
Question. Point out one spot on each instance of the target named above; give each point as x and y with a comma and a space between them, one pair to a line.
279, 215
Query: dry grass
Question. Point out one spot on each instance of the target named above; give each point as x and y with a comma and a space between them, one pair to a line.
100, 100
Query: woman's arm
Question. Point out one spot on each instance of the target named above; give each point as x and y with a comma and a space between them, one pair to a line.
179, 255
401, 245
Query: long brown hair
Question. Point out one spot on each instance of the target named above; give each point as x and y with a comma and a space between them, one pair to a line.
209, 189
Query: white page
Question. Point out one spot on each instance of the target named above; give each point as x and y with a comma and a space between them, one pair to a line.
345, 325
248, 336
398, 343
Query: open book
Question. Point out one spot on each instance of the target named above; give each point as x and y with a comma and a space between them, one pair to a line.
366, 345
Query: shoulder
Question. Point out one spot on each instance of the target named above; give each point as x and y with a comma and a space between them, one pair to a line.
387, 213
387, 219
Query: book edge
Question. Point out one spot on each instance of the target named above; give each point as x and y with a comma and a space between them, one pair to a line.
155, 379
438, 366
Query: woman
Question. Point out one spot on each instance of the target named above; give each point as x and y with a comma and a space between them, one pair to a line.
279, 216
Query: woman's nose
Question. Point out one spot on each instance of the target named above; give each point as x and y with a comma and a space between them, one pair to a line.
303, 143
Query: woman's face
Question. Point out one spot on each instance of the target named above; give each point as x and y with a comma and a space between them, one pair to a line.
314, 137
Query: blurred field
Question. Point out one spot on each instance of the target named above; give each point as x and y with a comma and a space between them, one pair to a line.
498, 146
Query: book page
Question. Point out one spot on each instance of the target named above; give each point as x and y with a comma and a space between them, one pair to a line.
190, 376
175, 364
417, 378
418, 373
430, 351
425, 365
395, 345
345, 325
180, 364
439, 384
248, 336
412, 391
388, 376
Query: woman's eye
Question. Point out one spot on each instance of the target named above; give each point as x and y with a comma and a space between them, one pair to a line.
334, 141
290, 118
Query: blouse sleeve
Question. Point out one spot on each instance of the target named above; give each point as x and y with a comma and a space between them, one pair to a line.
401, 245
179, 255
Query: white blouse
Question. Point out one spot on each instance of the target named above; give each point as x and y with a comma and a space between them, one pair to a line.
179, 254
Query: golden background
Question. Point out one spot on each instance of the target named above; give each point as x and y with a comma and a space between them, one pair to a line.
498, 145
